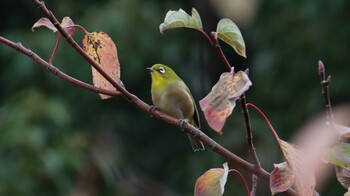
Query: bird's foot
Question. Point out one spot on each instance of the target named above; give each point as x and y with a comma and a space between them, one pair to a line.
183, 123
151, 109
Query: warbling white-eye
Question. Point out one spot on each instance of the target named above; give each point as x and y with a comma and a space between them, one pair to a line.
171, 95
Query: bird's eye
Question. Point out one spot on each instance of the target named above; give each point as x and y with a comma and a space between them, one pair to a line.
161, 70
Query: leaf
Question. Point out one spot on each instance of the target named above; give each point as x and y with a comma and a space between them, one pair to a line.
228, 32
303, 171
101, 48
281, 178
212, 182
221, 100
342, 131
339, 155
176, 19
66, 23
343, 176
347, 193
46, 23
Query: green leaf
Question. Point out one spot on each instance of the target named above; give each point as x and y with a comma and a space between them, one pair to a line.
176, 19
212, 182
228, 32
340, 155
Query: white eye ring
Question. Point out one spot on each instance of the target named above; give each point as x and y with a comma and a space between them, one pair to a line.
161, 70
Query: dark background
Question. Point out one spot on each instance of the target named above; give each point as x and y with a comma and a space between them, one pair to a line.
59, 139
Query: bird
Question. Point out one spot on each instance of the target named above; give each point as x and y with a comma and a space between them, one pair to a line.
171, 95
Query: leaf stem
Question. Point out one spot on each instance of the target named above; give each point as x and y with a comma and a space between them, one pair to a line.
56, 48
242, 179
265, 119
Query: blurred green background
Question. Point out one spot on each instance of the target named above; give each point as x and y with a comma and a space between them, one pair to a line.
59, 139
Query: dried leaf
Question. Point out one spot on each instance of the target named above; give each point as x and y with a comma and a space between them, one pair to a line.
176, 19
221, 100
228, 32
66, 23
101, 48
212, 182
281, 178
304, 174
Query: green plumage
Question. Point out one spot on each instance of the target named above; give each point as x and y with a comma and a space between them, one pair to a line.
171, 95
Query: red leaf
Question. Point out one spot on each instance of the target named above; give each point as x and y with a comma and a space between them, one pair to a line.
212, 182
281, 178
221, 100
100, 47
66, 23
46, 23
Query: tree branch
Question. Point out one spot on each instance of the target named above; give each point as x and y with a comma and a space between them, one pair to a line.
132, 98
249, 137
147, 108
53, 69
325, 91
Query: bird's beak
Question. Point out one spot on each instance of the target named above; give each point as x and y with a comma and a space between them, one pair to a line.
150, 69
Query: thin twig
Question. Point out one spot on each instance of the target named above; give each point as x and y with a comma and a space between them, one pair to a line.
215, 44
325, 91
219, 50
249, 137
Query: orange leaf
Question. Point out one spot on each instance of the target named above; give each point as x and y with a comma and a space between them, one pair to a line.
101, 48
303, 171
221, 100
212, 182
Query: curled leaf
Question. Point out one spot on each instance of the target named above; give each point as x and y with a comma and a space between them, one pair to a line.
101, 48
66, 23
281, 178
176, 19
221, 100
212, 182
46, 23
228, 32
